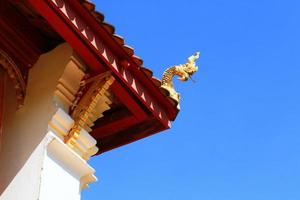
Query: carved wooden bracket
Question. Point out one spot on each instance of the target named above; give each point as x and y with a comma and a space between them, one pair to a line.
89, 108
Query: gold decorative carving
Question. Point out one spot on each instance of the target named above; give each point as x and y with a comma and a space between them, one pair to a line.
85, 111
184, 71
14, 73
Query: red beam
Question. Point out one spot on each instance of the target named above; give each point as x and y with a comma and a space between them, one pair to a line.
130, 103
93, 24
113, 127
77, 27
140, 135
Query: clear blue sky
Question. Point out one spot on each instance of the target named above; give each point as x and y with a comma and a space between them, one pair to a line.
237, 136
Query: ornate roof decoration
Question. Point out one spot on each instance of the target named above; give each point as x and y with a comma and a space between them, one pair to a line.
129, 50
90, 108
140, 106
184, 71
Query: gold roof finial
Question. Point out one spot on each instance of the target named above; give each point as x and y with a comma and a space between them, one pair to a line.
184, 71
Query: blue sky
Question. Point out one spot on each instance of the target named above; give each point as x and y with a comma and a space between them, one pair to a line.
237, 135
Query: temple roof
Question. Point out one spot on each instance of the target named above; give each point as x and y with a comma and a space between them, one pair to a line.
128, 49
140, 107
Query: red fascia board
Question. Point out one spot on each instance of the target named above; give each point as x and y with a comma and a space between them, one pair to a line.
94, 24
118, 50
66, 31
57, 17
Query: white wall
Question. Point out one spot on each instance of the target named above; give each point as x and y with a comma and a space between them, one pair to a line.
24, 130
35, 163
58, 181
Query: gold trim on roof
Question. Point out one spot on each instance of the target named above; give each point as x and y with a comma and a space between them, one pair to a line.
87, 111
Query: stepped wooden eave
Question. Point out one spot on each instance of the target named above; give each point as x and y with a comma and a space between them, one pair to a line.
141, 108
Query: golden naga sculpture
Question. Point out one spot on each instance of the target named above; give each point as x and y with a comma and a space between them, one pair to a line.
184, 71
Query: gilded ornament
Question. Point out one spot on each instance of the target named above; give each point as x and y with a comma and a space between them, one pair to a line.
183, 71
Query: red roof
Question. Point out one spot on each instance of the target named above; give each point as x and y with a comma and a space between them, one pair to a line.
144, 107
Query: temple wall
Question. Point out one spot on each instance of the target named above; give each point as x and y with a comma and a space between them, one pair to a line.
23, 141
59, 177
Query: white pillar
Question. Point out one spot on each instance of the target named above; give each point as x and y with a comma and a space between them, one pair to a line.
64, 172
35, 163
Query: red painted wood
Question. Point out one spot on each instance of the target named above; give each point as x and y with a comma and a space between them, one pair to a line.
95, 30
130, 136
13, 41
136, 80
130, 103
137, 114
111, 128
60, 23
97, 47
90, 45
